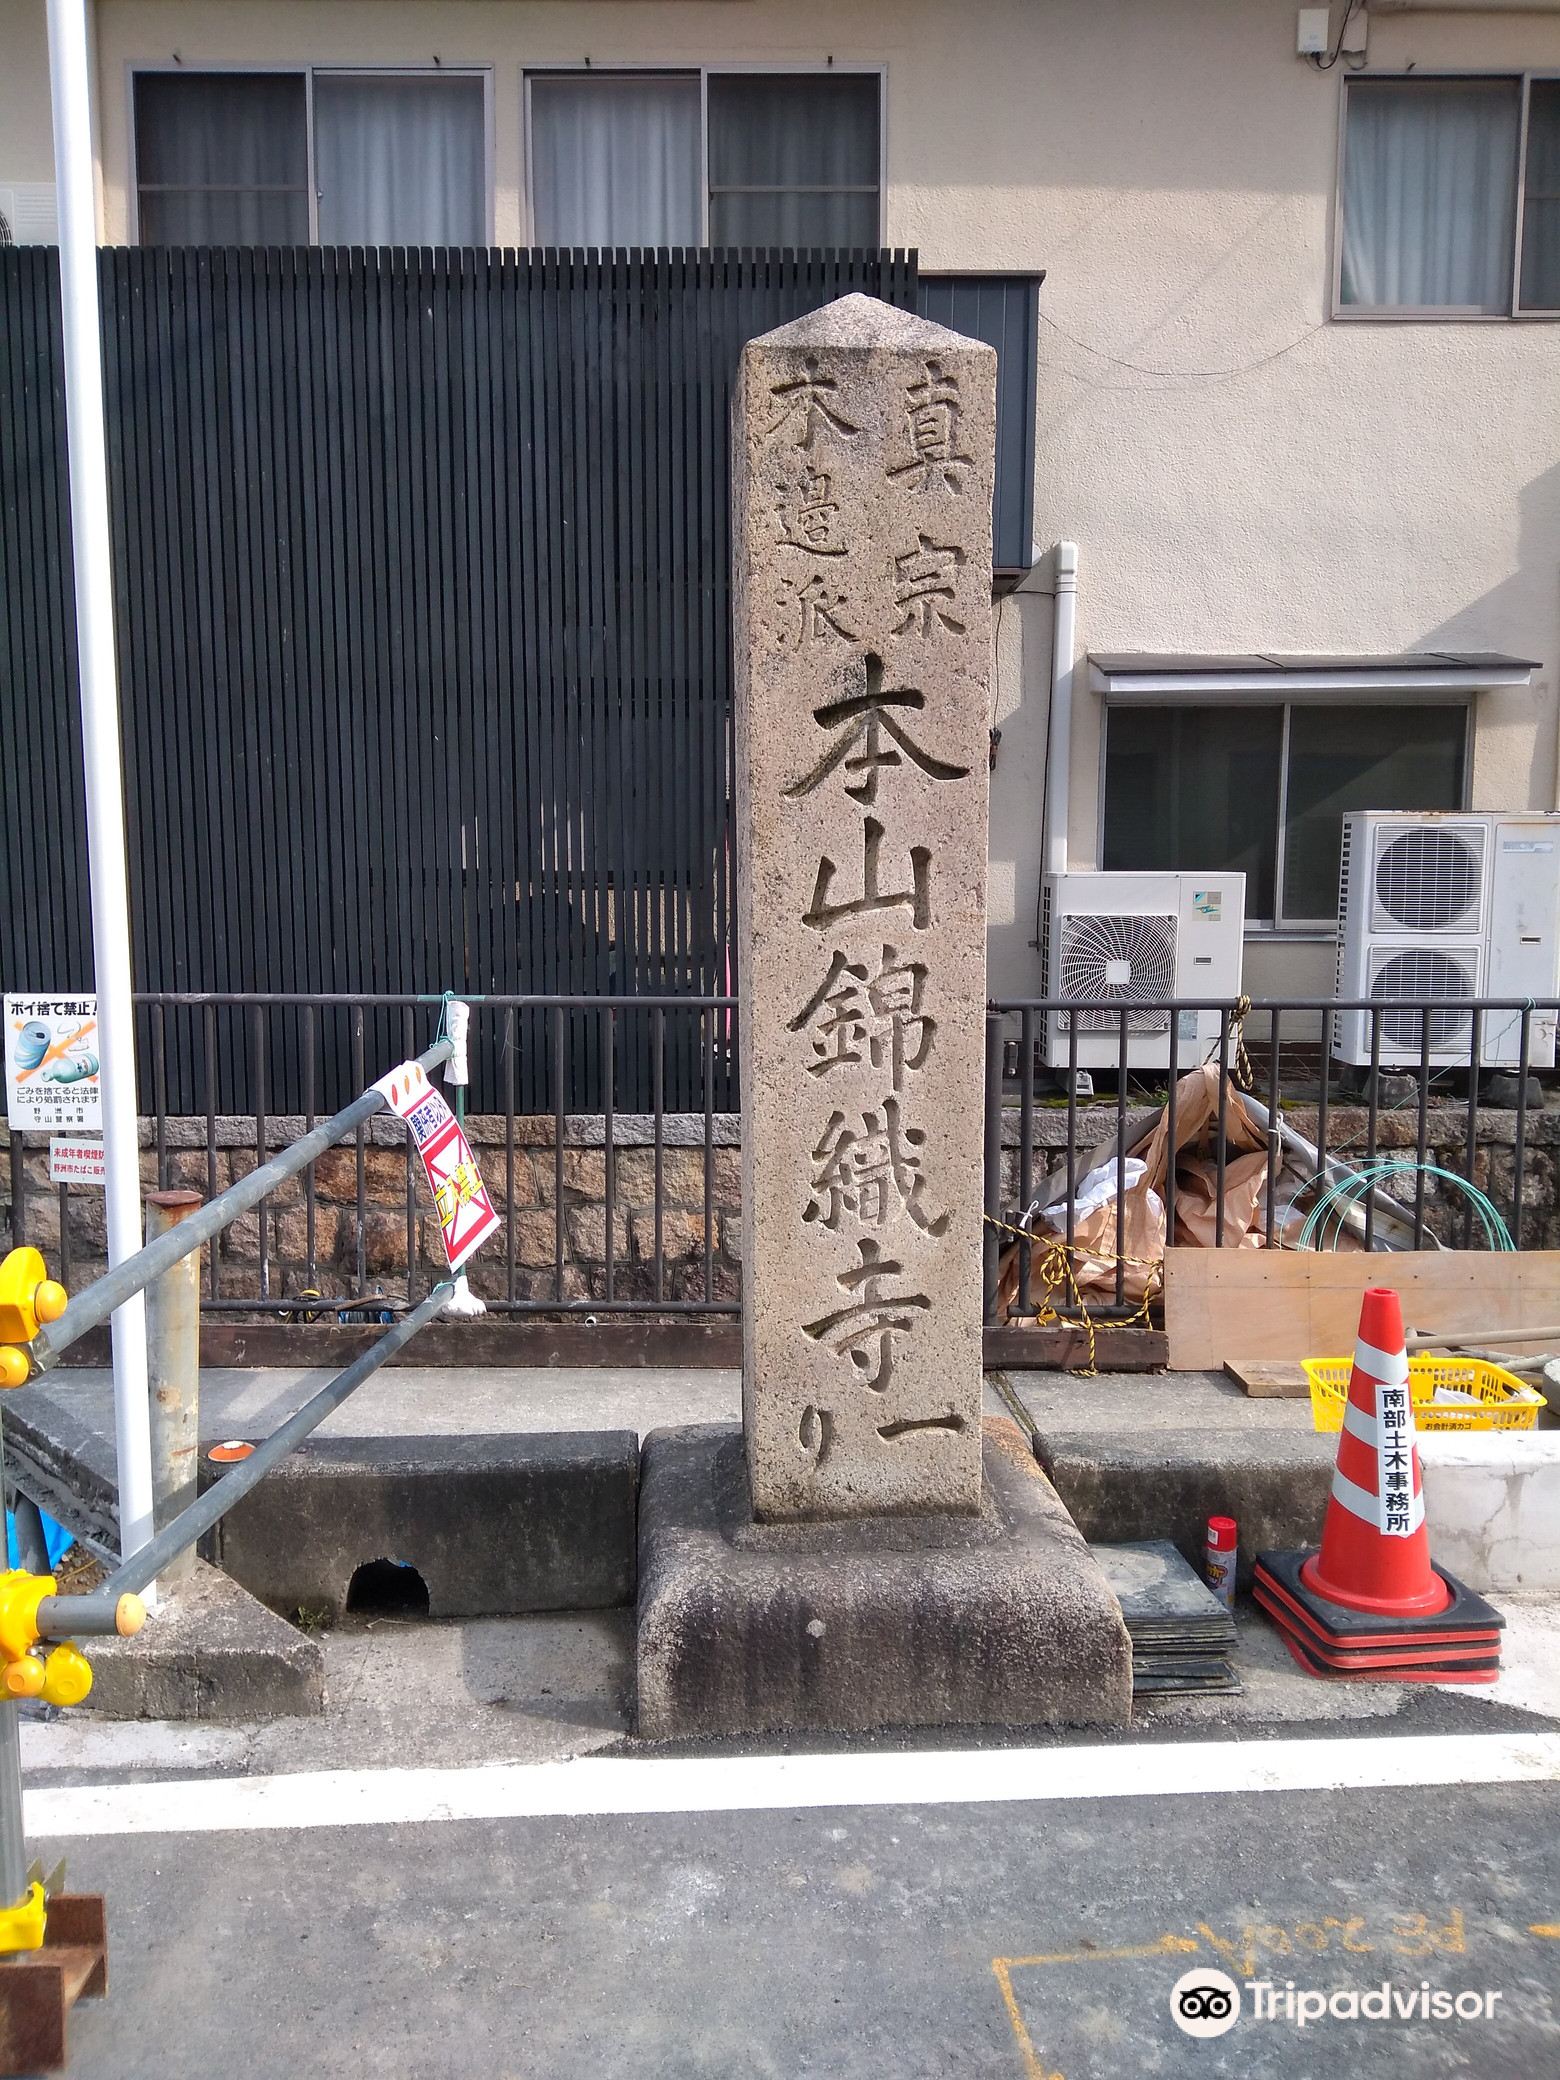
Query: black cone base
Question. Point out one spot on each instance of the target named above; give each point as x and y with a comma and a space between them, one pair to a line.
1460, 1644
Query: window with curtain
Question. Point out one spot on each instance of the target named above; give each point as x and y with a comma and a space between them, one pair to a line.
1430, 194
226, 158
616, 159
222, 158
623, 159
1196, 790
794, 159
1430, 210
1264, 789
399, 159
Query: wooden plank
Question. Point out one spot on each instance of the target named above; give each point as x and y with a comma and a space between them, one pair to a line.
1064, 1347
1302, 1304
1269, 1379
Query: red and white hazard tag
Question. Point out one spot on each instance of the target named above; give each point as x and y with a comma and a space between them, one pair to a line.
466, 1214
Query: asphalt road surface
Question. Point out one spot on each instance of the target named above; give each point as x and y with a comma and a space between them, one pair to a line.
784, 1921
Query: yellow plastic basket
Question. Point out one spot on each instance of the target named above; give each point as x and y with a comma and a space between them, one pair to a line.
1449, 1394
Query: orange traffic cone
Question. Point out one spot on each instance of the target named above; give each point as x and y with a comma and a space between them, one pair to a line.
1375, 1549
1372, 1602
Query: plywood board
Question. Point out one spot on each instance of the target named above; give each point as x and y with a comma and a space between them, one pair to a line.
1269, 1379
1306, 1304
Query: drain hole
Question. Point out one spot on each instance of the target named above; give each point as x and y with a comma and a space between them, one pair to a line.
387, 1589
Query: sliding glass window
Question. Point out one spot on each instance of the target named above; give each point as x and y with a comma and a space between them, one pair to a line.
289, 158
1264, 789
718, 158
1450, 202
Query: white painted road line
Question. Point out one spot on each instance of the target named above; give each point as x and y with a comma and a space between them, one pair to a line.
592, 1786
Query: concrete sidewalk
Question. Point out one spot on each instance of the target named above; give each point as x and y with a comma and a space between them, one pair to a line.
446, 1401
434, 1401
1133, 1455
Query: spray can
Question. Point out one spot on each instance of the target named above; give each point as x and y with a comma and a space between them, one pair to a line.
1219, 1559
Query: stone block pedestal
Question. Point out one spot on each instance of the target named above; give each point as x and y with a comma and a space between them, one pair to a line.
1000, 1619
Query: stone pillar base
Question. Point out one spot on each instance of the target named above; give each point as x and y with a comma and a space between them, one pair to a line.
1004, 1619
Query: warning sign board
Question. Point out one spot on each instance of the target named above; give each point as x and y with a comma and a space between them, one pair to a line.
73, 1161
465, 1211
52, 1070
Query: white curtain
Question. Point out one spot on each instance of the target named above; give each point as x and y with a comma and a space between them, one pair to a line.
399, 160
1430, 181
615, 160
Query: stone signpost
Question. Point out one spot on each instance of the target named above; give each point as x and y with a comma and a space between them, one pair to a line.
863, 453
864, 1551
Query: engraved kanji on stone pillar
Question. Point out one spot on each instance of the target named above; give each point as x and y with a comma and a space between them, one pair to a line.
863, 454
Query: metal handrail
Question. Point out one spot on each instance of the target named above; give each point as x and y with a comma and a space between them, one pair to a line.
130, 1277
61, 1617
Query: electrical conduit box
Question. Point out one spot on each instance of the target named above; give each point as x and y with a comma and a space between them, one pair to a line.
1135, 943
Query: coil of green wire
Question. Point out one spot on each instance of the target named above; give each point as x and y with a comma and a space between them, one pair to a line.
1337, 1200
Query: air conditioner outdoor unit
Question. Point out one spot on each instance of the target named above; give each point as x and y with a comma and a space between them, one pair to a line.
1448, 908
1126, 940
28, 211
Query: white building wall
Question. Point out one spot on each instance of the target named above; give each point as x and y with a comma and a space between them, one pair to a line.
1240, 472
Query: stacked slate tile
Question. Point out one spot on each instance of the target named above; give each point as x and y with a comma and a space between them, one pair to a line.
1182, 1636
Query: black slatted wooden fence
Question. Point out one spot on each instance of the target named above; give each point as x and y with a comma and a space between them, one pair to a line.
421, 565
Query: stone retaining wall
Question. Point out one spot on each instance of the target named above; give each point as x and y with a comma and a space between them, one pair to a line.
69, 1228
685, 1222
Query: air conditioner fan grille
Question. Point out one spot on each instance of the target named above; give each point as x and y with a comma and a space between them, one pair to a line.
1427, 879
1414, 975
1123, 960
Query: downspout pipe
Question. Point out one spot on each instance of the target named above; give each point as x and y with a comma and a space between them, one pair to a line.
1058, 763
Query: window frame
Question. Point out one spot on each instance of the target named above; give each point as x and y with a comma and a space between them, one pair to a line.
748, 67
308, 71
1438, 314
1280, 926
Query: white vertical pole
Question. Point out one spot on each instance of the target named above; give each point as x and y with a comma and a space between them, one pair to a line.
74, 159
1058, 770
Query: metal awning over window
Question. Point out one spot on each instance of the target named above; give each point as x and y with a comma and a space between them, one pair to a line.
1410, 675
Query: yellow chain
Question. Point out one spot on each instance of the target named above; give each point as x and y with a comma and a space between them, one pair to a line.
1055, 1266
1056, 1271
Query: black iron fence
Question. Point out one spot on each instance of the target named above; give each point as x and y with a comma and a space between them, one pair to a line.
633, 1208
1405, 1131
627, 1208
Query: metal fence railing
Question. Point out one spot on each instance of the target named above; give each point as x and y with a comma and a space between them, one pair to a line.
1415, 1093
630, 1209
633, 1210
